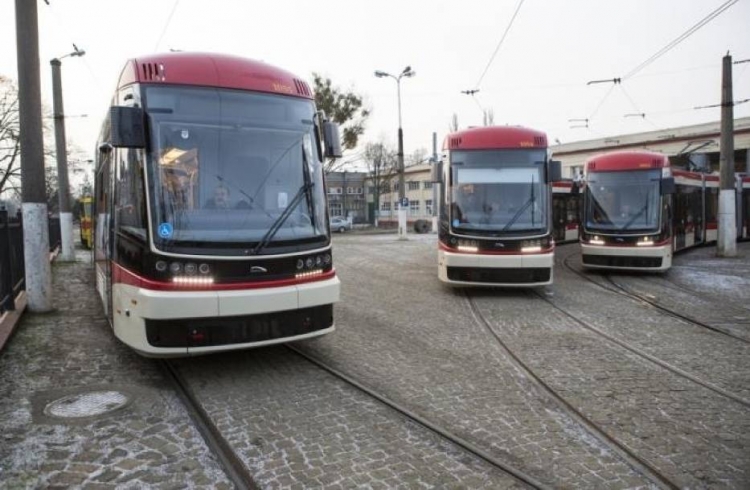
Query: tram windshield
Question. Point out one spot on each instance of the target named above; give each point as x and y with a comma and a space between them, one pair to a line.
498, 191
623, 201
228, 166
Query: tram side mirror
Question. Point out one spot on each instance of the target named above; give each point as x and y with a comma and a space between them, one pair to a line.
555, 171
667, 185
332, 140
128, 130
436, 173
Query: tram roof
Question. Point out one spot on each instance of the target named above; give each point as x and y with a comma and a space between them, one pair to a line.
213, 70
495, 138
626, 160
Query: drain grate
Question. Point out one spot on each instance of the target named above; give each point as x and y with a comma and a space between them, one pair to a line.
86, 404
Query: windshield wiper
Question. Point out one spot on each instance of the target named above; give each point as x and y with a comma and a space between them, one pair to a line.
635, 217
523, 208
282, 218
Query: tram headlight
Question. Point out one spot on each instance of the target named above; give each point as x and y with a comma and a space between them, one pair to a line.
596, 241
646, 241
300, 264
319, 261
160, 266
470, 246
204, 269
531, 246
309, 262
191, 268
327, 259
175, 267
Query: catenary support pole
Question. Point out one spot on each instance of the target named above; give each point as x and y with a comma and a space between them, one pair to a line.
66, 215
34, 201
727, 239
435, 187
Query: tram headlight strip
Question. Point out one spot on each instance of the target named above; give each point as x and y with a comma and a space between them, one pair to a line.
645, 242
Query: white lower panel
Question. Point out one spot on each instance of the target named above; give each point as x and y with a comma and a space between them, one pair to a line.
665, 252
132, 305
449, 259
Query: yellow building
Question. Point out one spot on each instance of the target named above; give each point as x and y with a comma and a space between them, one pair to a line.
419, 191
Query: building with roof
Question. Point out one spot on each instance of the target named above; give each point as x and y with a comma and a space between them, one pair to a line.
694, 147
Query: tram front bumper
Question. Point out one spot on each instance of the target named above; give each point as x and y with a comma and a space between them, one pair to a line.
652, 258
135, 307
506, 270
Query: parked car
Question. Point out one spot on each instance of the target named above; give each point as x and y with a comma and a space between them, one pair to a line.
340, 224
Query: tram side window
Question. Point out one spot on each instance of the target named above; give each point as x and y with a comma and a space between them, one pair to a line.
130, 202
712, 204
573, 209
102, 207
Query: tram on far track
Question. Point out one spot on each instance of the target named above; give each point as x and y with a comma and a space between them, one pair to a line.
637, 211
211, 225
495, 208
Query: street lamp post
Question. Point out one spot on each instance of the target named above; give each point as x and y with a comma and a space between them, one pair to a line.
407, 72
63, 191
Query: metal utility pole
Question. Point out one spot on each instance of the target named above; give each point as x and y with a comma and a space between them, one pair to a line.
63, 189
34, 201
726, 245
434, 186
407, 72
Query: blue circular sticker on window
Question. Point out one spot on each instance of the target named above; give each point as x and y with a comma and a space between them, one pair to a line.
165, 230
456, 222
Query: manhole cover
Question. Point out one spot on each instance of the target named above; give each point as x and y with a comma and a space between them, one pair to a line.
86, 404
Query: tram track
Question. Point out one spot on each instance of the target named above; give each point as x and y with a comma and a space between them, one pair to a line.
635, 461
443, 433
233, 467
614, 287
635, 350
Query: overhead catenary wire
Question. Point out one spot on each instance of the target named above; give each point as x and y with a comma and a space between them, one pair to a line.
499, 44
166, 24
715, 13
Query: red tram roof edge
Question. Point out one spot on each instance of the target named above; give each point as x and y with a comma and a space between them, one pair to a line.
626, 160
495, 138
213, 70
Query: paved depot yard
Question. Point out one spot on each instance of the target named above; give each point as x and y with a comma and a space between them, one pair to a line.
423, 345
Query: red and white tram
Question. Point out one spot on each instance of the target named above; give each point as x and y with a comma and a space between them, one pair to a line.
495, 208
211, 225
637, 211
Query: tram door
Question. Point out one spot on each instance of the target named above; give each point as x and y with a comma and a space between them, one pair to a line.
559, 215
681, 200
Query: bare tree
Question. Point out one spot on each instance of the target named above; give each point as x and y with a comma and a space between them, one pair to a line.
382, 162
418, 156
453, 126
489, 117
10, 148
10, 143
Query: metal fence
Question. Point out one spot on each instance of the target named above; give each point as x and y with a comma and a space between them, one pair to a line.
12, 275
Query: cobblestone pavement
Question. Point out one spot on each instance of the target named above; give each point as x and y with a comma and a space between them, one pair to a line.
415, 341
400, 332
150, 443
296, 426
706, 288
697, 437
686, 346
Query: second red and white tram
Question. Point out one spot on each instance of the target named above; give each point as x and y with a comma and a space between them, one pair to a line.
495, 208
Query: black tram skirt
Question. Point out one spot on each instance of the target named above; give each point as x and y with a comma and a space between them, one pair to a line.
622, 261
206, 332
499, 275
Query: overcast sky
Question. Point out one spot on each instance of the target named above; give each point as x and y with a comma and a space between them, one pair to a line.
537, 78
